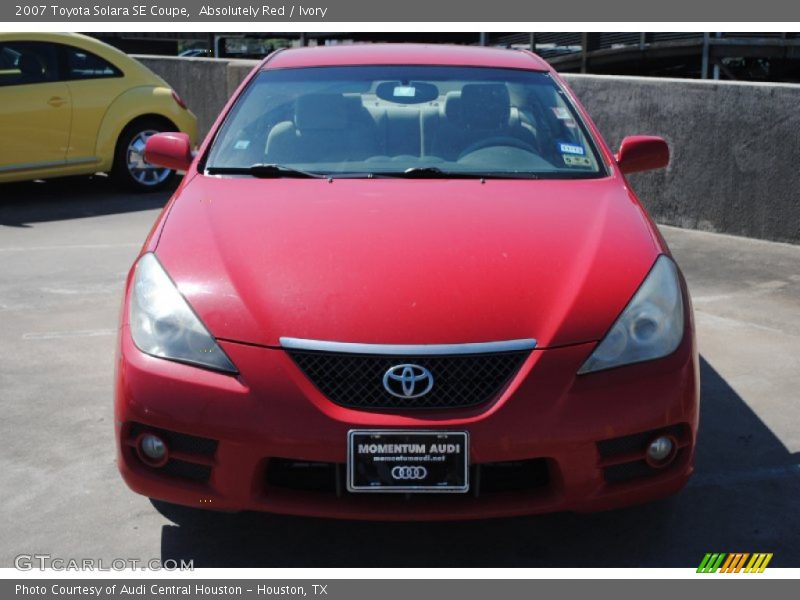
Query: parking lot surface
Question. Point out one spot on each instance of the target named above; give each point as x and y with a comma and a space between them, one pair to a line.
65, 248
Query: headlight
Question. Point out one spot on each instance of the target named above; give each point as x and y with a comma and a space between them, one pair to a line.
163, 324
650, 327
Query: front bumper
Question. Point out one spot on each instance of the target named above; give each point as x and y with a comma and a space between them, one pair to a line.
271, 413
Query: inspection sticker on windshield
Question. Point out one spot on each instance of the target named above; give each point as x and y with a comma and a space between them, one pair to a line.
572, 160
241, 144
405, 91
571, 148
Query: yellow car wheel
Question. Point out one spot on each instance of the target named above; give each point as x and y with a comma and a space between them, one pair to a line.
130, 169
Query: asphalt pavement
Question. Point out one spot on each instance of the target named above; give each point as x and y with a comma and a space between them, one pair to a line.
65, 248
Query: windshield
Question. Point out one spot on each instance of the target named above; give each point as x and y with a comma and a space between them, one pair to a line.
420, 121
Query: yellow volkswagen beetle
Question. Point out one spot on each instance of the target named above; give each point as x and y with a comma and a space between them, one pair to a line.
72, 105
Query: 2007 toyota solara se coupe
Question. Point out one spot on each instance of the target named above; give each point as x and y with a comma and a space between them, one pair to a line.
405, 282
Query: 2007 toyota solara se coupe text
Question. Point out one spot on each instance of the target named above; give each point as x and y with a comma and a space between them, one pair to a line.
405, 282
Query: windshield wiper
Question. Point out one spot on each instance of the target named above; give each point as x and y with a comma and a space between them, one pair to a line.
437, 173
264, 171
274, 171
426, 173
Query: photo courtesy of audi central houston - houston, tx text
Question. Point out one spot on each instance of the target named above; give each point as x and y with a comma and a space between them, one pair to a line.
336, 299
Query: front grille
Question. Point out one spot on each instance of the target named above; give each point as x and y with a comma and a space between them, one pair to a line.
460, 380
487, 478
304, 475
512, 476
186, 470
628, 471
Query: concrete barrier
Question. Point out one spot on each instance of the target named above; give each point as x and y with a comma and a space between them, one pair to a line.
205, 84
735, 146
735, 164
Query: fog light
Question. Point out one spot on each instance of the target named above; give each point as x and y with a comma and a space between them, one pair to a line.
661, 451
152, 449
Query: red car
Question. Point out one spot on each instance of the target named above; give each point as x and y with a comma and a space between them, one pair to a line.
405, 282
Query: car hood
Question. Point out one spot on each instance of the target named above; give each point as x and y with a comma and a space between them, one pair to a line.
407, 261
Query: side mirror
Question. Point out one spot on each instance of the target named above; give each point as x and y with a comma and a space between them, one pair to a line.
642, 153
170, 150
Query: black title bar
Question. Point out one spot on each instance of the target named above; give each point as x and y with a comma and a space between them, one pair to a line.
451, 11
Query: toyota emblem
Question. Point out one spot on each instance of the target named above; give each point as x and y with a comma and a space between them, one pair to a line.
408, 381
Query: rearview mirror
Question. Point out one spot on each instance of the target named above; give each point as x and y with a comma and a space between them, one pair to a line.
170, 150
415, 92
642, 153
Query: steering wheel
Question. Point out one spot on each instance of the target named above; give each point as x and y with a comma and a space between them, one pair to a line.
500, 140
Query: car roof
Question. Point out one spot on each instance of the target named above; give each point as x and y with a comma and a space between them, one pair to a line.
404, 54
51, 36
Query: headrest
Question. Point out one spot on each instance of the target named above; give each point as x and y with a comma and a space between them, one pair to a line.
452, 106
320, 111
485, 105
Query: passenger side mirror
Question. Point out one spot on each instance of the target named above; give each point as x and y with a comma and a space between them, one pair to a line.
170, 150
642, 153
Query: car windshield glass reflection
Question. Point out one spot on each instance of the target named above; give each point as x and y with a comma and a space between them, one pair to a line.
405, 121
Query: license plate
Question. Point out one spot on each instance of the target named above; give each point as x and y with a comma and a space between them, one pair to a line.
407, 461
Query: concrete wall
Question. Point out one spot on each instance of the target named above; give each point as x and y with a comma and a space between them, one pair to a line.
204, 83
735, 146
735, 164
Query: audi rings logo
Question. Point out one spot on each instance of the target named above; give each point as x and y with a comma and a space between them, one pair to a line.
406, 473
408, 381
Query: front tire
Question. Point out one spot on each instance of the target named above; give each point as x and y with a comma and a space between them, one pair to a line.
130, 170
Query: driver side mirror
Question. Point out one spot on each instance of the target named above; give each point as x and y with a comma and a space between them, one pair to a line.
642, 153
170, 150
